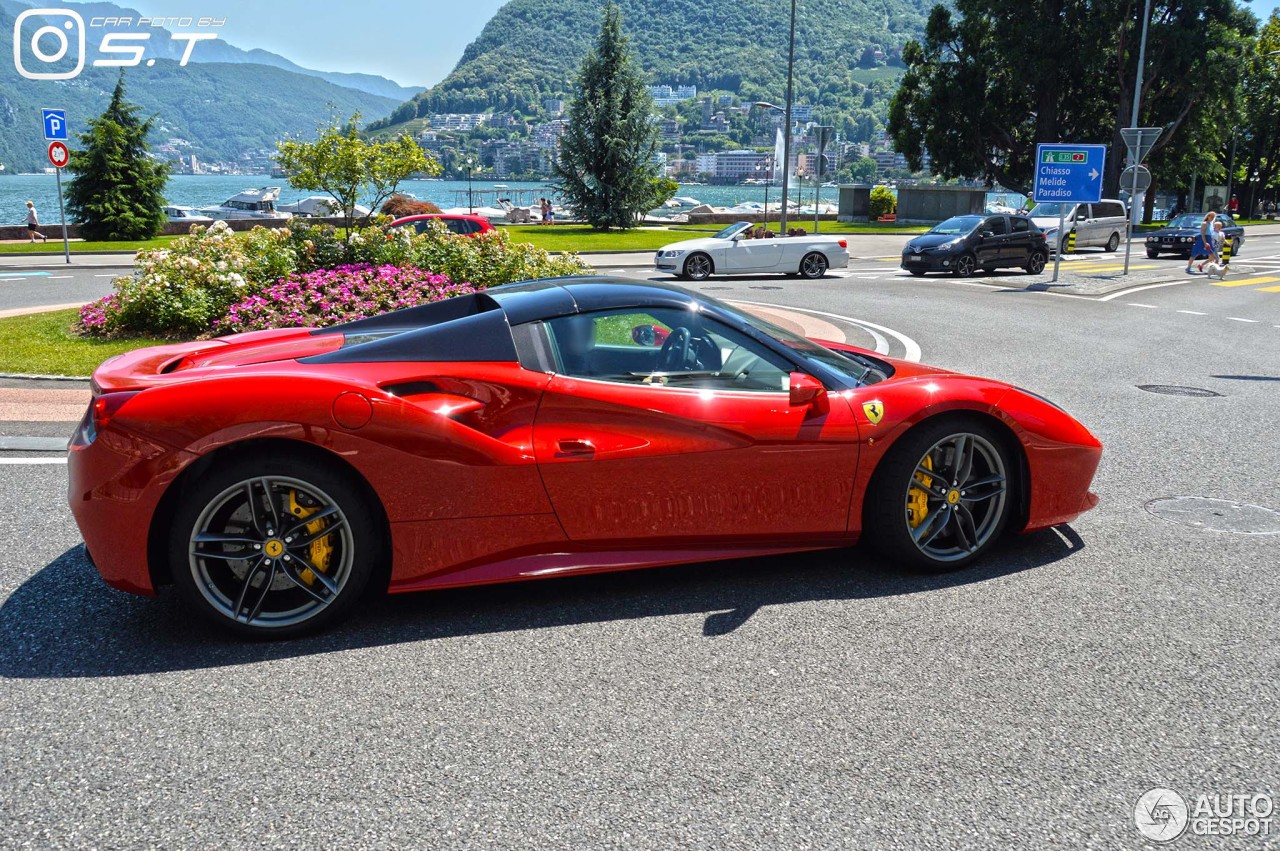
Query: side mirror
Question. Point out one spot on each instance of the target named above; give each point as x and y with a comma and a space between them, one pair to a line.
805, 389
986, 234
649, 335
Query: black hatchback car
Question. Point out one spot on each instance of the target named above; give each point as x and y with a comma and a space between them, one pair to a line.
964, 244
1180, 234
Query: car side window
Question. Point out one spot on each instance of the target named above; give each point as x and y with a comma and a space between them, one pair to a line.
458, 226
664, 347
1021, 225
996, 225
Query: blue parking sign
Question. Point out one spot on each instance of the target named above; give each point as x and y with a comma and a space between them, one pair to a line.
1070, 173
55, 125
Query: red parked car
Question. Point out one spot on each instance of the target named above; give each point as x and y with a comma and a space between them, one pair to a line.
541, 429
459, 223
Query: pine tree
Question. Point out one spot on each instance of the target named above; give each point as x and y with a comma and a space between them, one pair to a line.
118, 190
606, 168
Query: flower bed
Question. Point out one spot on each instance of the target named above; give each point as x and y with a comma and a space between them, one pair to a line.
330, 296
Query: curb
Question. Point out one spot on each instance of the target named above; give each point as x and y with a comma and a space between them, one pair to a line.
24, 376
33, 444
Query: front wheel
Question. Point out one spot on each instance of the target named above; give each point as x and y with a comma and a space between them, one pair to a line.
942, 496
1036, 263
813, 265
274, 546
919, 273
698, 267
965, 266
1235, 248
1153, 255
1113, 243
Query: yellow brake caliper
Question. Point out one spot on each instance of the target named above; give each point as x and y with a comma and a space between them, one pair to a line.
321, 550
917, 498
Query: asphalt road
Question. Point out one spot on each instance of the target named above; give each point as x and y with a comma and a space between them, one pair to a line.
815, 701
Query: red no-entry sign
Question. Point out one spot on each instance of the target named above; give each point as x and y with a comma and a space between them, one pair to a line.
58, 154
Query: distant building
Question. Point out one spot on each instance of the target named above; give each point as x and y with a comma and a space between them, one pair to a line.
547, 135
553, 106
737, 165
669, 129
705, 163
668, 96
463, 121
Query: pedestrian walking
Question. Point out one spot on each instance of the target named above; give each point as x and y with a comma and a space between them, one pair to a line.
33, 222
548, 214
1203, 246
1233, 206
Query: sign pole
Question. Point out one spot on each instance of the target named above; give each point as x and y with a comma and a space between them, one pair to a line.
1057, 252
66, 243
1128, 219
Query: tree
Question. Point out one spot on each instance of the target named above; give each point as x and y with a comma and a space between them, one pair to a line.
1259, 103
606, 162
860, 170
983, 88
347, 167
118, 190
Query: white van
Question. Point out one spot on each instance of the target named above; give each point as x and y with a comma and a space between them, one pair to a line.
1100, 224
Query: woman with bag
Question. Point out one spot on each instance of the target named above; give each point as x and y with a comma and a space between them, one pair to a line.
1202, 248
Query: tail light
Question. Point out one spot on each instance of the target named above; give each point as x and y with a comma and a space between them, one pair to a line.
843, 243
101, 410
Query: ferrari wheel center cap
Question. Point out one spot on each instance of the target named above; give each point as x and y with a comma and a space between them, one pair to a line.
273, 548
953, 496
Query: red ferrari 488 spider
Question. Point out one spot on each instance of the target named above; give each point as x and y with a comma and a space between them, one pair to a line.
541, 429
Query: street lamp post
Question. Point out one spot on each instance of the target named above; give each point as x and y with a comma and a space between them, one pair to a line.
470, 163
786, 131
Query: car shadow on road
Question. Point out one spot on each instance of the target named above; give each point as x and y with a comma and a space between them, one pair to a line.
64, 622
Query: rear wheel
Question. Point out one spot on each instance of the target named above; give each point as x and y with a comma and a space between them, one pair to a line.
1235, 248
1036, 263
813, 265
942, 496
1113, 243
698, 267
274, 546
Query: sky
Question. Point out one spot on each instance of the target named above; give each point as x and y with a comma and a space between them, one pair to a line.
414, 42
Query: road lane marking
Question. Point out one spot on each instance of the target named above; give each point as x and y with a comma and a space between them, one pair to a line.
106, 276
60, 277
1269, 289
1238, 319
13, 275
911, 347
1244, 282
1133, 290
33, 461
1193, 312
1136, 304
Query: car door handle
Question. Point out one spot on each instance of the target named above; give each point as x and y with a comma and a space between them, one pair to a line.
575, 448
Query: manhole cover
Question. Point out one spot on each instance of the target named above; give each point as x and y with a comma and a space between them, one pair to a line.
1218, 515
1177, 390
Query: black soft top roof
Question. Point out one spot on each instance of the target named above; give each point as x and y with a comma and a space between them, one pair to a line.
477, 326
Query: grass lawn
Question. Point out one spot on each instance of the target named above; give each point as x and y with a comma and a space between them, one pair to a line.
84, 247
582, 238
44, 344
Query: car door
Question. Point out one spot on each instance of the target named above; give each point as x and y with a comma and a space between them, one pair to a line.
993, 236
753, 255
1020, 241
704, 446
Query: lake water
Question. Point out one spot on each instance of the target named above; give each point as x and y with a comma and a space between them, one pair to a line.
201, 190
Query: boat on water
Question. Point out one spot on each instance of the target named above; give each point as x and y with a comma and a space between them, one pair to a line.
319, 205
249, 204
686, 201
185, 215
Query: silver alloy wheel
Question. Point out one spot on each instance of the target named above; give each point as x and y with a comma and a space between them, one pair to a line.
814, 265
1037, 263
1114, 242
964, 485
698, 267
965, 265
258, 557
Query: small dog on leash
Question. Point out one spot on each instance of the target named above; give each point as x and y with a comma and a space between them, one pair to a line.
1219, 269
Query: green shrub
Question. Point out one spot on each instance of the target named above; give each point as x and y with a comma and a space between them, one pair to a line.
182, 291
883, 202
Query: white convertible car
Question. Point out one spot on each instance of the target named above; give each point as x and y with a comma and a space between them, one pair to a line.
730, 253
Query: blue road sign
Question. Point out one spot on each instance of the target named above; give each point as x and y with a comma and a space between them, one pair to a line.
55, 125
1070, 173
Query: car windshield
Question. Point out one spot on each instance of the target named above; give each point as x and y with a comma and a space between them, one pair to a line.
957, 225
1051, 210
1187, 221
860, 370
732, 230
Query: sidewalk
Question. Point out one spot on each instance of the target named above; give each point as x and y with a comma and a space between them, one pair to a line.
55, 260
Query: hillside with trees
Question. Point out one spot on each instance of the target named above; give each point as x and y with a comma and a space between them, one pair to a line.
847, 55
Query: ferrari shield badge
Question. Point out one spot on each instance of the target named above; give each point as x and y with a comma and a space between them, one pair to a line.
874, 411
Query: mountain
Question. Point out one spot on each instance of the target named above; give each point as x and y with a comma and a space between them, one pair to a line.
531, 49
162, 44
222, 109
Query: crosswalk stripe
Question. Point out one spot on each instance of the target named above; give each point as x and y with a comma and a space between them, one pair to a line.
1115, 267
1244, 282
1269, 289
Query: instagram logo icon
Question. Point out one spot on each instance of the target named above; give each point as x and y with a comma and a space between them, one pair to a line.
49, 43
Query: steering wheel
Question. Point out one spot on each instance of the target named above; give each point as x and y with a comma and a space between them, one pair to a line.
675, 351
